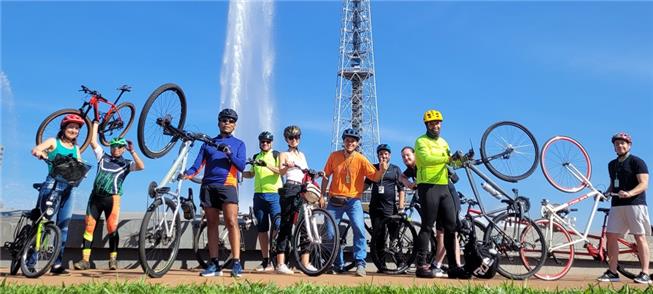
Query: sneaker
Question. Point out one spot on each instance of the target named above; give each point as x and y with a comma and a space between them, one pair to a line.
311, 268
81, 265
58, 269
265, 267
336, 270
424, 272
236, 269
609, 276
438, 272
360, 270
284, 270
643, 278
113, 264
212, 270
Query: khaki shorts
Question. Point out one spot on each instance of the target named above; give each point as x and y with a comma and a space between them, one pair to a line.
629, 218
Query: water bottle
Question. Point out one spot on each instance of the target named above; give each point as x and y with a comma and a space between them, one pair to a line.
491, 190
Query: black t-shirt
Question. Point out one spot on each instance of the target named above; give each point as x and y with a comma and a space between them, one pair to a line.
626, 174
410, 172
385, 202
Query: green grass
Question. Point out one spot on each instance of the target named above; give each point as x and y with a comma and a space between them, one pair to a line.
254, 288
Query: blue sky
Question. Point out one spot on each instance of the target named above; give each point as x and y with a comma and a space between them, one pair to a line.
583, 69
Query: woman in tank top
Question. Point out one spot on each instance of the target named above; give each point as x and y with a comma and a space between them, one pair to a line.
64, 144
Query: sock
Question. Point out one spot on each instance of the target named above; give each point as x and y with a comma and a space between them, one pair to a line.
237, 260
86, 254
216, 261
438, 265
113, 255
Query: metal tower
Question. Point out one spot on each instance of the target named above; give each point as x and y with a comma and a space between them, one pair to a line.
356, 105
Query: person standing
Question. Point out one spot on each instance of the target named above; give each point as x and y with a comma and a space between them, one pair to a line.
629, 211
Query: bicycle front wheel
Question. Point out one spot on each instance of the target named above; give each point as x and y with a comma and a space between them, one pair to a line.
320, 241
159, 238
558, 261
51, 125
40, 251
166, 102
117, 122
520, 245
509, 151
563, 161
396, 252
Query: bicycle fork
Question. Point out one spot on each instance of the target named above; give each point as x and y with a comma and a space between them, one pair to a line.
311, 226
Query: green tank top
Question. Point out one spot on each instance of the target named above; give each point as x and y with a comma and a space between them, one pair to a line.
63, 150
266, 181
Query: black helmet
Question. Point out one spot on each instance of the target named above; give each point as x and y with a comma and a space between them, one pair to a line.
382, 147
292, 131
351, 133
228, 113
265, 136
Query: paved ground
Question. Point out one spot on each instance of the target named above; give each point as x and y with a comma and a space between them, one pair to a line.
175, 277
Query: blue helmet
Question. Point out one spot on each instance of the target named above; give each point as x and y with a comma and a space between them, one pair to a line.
382, 147
351, 133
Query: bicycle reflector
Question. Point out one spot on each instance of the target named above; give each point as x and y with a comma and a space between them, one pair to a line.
151, 189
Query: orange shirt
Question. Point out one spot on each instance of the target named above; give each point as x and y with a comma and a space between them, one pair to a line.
348, 175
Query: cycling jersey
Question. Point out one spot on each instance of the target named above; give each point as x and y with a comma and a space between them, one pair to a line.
431, 158
265, 180
111, 173
220, 168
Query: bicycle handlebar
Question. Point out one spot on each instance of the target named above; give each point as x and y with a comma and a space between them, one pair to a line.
184, 135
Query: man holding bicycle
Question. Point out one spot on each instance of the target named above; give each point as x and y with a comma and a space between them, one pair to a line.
629, 212
112, 170
267, 182
219, 190
349, 169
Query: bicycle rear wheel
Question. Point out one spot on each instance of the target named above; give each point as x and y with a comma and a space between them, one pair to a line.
40, 251
117, 123
200, 244
167, 101
629, 264
322, 248
157, 249
559, 261
520, 243
509, 151
397, 251
52, 124
560, 156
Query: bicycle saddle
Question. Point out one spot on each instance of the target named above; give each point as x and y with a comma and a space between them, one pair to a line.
37, 186
125, 88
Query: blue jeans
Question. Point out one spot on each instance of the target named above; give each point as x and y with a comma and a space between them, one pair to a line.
354, 211
266, 208
65, 212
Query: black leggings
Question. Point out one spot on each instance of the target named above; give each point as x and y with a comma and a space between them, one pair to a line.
379, 233
290, 203
110, 205
437, 204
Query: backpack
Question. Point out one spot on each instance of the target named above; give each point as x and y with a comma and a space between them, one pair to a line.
275, 155
481, 258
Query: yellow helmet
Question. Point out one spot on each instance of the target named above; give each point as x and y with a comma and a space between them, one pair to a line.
431, 115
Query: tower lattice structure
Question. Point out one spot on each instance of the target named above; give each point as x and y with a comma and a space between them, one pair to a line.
356, 105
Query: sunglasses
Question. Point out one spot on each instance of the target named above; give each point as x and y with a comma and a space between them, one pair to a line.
293, 138
265, 142
228, 120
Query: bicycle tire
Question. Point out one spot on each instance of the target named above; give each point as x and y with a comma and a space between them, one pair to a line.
109, 122
301, 243
524, 147
146, 147
509, 264
403, 256
199, 245
630, 269
51, 125
557, 153
51, 251
559, 262
148, 233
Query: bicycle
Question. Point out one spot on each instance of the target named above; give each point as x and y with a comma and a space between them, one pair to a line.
567, 167
509, 229
314, 236
116, 120
37, 239
168, 100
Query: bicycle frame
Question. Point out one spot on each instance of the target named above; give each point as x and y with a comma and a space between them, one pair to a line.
95, 101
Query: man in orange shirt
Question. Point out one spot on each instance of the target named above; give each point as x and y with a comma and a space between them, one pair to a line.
349, 170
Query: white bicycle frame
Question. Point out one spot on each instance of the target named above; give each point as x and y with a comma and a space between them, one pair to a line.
310, 225
550, 212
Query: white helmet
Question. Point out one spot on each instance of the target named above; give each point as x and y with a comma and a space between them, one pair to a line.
312, 194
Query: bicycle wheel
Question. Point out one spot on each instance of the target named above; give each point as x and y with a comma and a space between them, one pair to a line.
159, 238
52, 124
397, 251
509, 151
200, 244
520, 243
321, 244
167, 101
559, 261
117, 123
563, 161
40, 251
16, 247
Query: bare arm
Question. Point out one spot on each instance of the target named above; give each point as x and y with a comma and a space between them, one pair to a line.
284, 165
402, 198
94, 142
42, 150
641, 187
139, 165
378, 175
404, 180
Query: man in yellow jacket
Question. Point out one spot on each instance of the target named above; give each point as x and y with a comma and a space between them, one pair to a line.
431, 158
